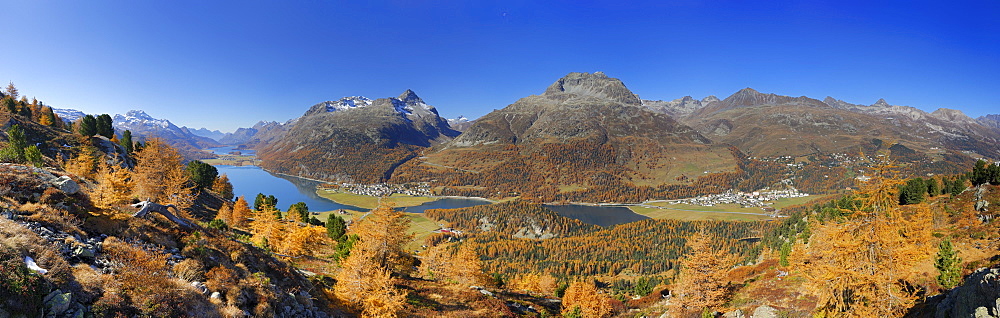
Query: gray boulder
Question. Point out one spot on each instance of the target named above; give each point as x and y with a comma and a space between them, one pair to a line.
733, 314
765, 311
57, 302
67, 185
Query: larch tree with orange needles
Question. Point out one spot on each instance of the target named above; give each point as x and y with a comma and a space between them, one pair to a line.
241, 212
365, 282
159, 176
223, 187
225, 213
583, 299
268, 231
113, 186
702, 282
859, 266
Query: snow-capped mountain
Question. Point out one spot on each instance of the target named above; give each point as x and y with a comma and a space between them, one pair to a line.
144, 126
346, 103
366, 139
262, 132
68, 115
407, 104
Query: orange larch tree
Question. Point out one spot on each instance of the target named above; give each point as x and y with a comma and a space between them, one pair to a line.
583, 299
241, 212
702, 283
365, 283
860, 266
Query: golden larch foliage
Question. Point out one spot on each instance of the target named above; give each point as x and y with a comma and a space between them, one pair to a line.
382, 235
541, 284
702, 281
241, 212
225, 213
582, 297
365, 283
303, 240
223, 187
113, 186
859, 267
84, 164
159, 176
268, 231
456, 264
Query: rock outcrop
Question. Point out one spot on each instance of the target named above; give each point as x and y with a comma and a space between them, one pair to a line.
978, 297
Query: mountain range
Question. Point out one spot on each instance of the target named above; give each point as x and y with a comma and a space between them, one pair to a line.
144, 126
772, 125
355, 138
586, 133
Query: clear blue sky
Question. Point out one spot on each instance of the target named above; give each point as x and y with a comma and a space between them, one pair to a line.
224, 65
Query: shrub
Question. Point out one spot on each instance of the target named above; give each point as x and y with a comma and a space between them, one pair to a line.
21, 289
190, 270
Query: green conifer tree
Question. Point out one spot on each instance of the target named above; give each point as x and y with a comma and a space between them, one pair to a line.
104, 126
126, 142
88, 126
335, 227
949, 265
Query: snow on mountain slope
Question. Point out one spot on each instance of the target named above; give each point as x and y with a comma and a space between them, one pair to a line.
68, 115
144, 126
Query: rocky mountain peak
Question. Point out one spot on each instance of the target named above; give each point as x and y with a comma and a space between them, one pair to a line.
709, 99
751, 97
410, 97
595, 84
881, 103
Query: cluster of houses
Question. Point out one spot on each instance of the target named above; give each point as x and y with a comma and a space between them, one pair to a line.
744, 199
384, 190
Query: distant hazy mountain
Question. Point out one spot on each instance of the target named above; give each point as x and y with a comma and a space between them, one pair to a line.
679, 107
204, 132
460, 123
355, 138
992, 120
775, 125
144, 126
262, 132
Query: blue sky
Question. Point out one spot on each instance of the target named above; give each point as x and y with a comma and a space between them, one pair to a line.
224, 65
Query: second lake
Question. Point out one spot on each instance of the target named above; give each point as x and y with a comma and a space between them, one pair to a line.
249, 180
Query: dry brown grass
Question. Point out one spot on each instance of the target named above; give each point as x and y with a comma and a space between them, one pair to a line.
144, 277
27, 243
58, 219
190, 270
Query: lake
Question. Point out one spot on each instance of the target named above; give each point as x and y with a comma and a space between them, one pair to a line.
597, 215
250, 180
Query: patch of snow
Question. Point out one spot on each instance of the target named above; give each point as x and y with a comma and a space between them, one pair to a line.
30, 263
349, 102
